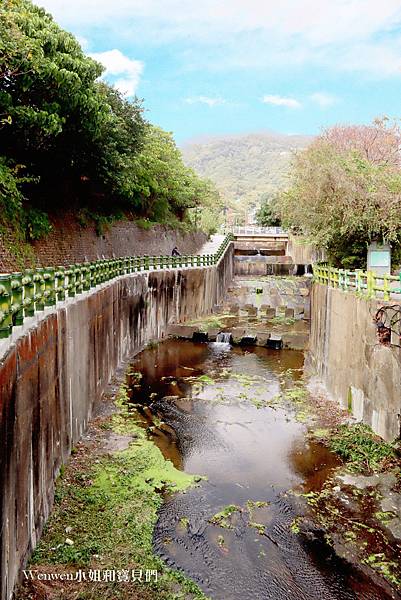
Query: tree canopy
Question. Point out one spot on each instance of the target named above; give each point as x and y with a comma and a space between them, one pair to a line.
67, 138
346, 191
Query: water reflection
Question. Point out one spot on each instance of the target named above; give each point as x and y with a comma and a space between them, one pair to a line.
220, 417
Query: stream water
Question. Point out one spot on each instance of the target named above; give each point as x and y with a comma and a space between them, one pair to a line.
213, 411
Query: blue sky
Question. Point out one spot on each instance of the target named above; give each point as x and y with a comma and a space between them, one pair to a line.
233, 66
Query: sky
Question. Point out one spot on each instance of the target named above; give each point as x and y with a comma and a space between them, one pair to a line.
210, 67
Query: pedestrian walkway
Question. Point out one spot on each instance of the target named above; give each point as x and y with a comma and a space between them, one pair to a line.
213, 244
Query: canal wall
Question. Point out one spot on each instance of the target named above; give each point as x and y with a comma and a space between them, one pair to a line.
302, 252
57, 367
345, 354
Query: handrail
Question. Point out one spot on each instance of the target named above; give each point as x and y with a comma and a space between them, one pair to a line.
23, 294
255, 230
364, 283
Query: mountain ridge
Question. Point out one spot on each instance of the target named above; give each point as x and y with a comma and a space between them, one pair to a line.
245, 167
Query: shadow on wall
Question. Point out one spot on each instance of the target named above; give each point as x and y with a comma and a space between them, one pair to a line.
54, 372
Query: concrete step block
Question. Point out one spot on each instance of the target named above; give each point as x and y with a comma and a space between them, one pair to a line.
295, 341
212, 334
237, 334
275, 342
261, 338
182, 331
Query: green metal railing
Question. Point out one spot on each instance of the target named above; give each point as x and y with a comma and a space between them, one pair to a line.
364, 283
24, 294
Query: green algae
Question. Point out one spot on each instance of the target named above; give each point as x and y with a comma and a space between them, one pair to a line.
295, 525
109, 508
258, 526
252, 504
206, 379
222, 518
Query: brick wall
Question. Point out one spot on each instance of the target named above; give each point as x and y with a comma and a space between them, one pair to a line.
70, 243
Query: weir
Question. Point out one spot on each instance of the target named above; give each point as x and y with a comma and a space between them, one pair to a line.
56, 364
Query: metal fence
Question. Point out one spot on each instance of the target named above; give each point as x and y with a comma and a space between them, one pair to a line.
24, 294
254, 230
365, 283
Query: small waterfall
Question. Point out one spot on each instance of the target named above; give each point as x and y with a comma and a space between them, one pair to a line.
223, 338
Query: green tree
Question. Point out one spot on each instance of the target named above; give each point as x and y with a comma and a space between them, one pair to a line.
68, 139
268, 213
164, 185
342, 201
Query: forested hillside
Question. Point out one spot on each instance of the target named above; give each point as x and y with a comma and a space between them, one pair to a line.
245, 168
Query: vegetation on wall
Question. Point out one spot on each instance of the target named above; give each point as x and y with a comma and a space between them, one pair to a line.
346, 191
68, 139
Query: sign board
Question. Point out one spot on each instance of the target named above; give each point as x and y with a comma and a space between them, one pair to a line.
379, 258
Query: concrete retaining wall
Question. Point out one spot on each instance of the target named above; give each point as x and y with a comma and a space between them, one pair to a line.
54, 372
346, 355
302, 253
263, 265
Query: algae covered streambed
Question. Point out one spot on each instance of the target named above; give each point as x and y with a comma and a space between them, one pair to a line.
236, 416
208, 474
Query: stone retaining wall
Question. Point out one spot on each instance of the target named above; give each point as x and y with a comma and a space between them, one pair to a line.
69, 243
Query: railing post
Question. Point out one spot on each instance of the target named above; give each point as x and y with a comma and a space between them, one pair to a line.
79, 271
386, 288
92, 274
48, 293
59, 283
71, 281
370, 284
6, 322
87, 276
29, 292
17, 306
39, 289
358, 280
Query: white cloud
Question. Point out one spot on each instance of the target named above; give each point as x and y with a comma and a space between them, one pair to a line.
83, 42
343, 34
281, 101
122, 71
323, 100
205, 100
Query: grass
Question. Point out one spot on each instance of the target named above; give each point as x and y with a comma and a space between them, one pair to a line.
107, 509
361, 448
212, 322
281, 320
